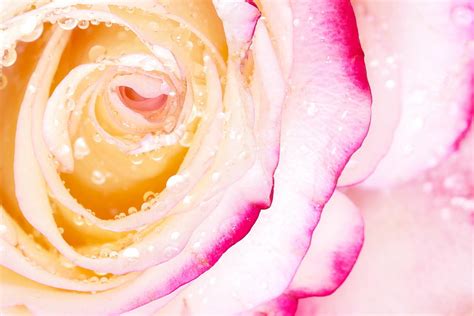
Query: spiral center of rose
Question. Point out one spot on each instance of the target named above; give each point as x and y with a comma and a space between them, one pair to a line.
133, 100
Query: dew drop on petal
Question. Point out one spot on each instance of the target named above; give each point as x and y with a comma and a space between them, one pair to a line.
132, 210
157, 155
170, 251
67, 23
31, 30
28, 24
312, 109
175, 235
78, 220
215, 176
390, 84
175, 182
97, 138
98, 177
9, 57
131, 253
97, 53
31, 88
81, 149
148, 196
187, 199
136, 160
94, 279
83, 24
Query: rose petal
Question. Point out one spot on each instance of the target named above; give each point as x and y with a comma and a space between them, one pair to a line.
424, 110
425, 230
261, 266
335, 245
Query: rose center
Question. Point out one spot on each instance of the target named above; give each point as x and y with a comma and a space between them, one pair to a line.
133, 100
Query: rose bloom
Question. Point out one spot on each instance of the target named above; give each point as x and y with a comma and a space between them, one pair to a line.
232, 157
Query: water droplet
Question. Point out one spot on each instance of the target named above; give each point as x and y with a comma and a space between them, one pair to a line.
187, 199
31, 29
97, 53
108, 24
374, 63
132, 210
243, 155
97, 138
157, 155
95, 22
176, 182
104, 279
390, 84
28, 24
61, 230
98, 177
216, 176
81, 149
94, 279
9, 57
175, 235
78, 219
189, 45
418, 123
31, 88
120, 215
83, 24
177, 36
3, 81
131, 253
113, 254
136, 160
67, 23
312, 109
148, 196
170, 252
462, 15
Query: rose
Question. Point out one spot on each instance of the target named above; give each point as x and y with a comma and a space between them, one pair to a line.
111, 98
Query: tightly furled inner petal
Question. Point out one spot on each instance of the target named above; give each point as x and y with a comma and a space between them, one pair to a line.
135, 101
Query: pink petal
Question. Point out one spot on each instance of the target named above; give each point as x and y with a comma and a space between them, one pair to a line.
417, 255
335, 245
284, 305
314, 151
420, 69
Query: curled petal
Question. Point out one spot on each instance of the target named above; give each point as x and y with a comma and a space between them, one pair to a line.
421, 111
335, 246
